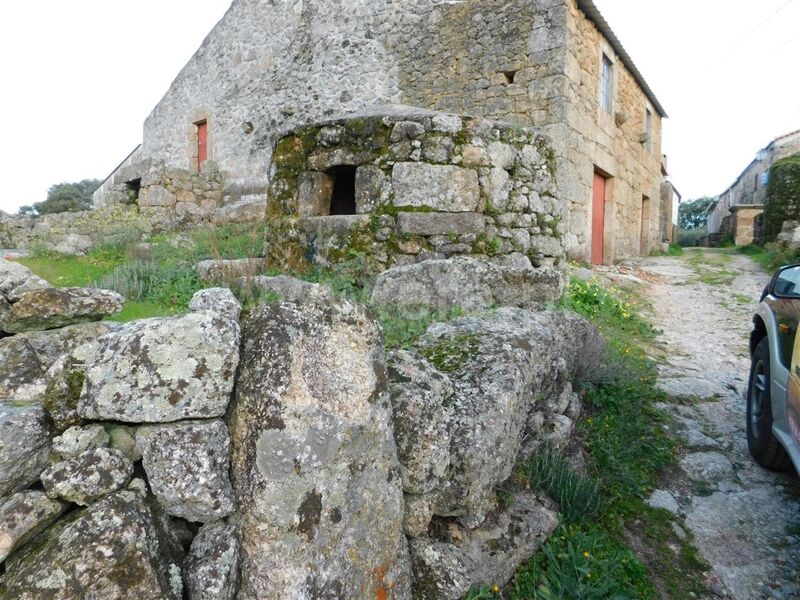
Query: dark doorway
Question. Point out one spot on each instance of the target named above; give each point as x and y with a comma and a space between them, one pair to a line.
134, 187
343, 199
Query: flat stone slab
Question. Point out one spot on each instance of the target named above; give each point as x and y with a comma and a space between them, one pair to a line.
711, 467
420, 223
443, 188
51, 308
23, 515
466, 282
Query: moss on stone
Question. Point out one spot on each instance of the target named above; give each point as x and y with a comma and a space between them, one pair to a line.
449, 355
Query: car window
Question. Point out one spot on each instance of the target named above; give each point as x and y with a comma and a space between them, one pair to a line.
787, 283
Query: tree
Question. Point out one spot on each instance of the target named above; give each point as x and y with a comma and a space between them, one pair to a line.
65, 197
692, 214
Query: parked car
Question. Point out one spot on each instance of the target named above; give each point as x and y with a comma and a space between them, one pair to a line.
773, 391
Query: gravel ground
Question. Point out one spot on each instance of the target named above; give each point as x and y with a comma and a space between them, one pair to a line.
745, 519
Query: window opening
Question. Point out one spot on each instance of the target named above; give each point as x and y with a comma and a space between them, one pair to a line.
343, 198
134, 187
606, 84
509, 75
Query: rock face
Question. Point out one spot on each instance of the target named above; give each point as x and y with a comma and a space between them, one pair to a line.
218, 271
24, 446
137, 560
77, 440
24, 515
50, 308
162, 370
211, 569
89, 476
489, 554
187, 466
421, 401
468, 283
508, 369
314, 464
19, 365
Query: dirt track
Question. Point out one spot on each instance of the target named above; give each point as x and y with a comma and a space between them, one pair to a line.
745, 520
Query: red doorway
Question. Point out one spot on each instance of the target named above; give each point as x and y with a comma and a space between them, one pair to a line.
598, 218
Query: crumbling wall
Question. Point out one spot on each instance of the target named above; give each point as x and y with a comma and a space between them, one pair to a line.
424, 185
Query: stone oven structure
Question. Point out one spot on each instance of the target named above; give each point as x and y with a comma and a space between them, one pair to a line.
269, 67
402, 185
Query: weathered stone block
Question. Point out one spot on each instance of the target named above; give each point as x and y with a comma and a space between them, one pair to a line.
23, 515
116, 550
443, 188
314, 463
371, 184
314, 192
211, 569
440, 223
187, 467
24, 446
162, 370
89, 476
56, 307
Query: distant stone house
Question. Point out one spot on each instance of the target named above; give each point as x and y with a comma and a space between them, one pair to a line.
737, 211
269, 67
670, 204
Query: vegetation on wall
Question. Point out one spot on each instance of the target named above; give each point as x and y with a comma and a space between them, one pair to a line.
783, 193
64, 197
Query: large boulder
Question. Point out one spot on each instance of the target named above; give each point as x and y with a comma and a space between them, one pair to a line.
469, 283
51, 308
187, 466
314, 464
163, 370
509, 371
24, 446
211, 569
23, 515
117, 549
16, 280
89, 476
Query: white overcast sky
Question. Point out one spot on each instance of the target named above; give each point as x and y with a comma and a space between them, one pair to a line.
78, 78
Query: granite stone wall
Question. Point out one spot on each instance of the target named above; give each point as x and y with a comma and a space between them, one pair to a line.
403, 185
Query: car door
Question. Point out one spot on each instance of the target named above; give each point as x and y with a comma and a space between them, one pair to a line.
792, 408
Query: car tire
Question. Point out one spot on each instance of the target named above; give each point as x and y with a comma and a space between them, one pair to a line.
763, 445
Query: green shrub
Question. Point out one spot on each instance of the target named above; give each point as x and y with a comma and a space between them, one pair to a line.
606, 307
691, 237
783, 193
578, 497
168, 286
675, 250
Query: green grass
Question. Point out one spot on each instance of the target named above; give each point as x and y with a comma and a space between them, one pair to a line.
770, 257
675, 250
158, 285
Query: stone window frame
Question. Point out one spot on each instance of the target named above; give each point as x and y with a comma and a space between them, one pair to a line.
607, 83
197, 116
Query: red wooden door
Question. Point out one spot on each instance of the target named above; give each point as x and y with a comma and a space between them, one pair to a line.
202, 144
598, 218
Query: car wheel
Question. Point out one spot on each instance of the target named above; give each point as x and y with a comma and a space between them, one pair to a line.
763, 444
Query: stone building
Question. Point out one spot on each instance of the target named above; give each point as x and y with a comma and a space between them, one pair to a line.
737, 210
670, 200
269, 67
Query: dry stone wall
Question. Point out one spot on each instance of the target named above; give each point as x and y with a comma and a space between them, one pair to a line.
417, 185
290, 458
